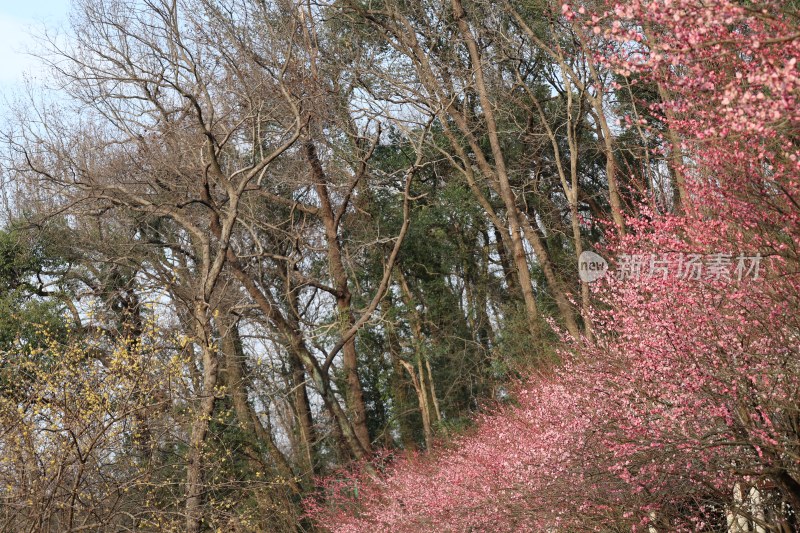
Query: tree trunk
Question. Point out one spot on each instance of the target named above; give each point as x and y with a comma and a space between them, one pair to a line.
237, 385
354, 395
296, 344
205, 409
305, 421
423, 386
507, 195
400, 391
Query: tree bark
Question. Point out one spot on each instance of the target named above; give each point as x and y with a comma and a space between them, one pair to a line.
237, 385
354, 395
299, 397
501, 174
305, 421
205, 409
400, 391
296, 344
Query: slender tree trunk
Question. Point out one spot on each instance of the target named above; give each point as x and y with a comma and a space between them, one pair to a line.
400, 391
423, 386
509, 274
506, 193
237, 385
205, 409
296, 345
305, 421
572, 196
680, 196
596, 101
432, 389
354, 395
299, 397
554, 282
511, 230
571, 190
423, 403
485, 331
611, 165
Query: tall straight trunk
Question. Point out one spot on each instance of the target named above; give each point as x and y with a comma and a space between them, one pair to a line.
299, 397
553, 281
572, 196
509, 274
595, 99
305, 421
205, 409
571, 190
485, 329
510, 230
611, 165
423, 385
499, 228
305, 437
401, 402
432, 389
501, 174
422, 399
354, 395
675, 164
578, 242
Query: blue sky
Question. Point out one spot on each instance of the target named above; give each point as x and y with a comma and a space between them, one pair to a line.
17, 19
